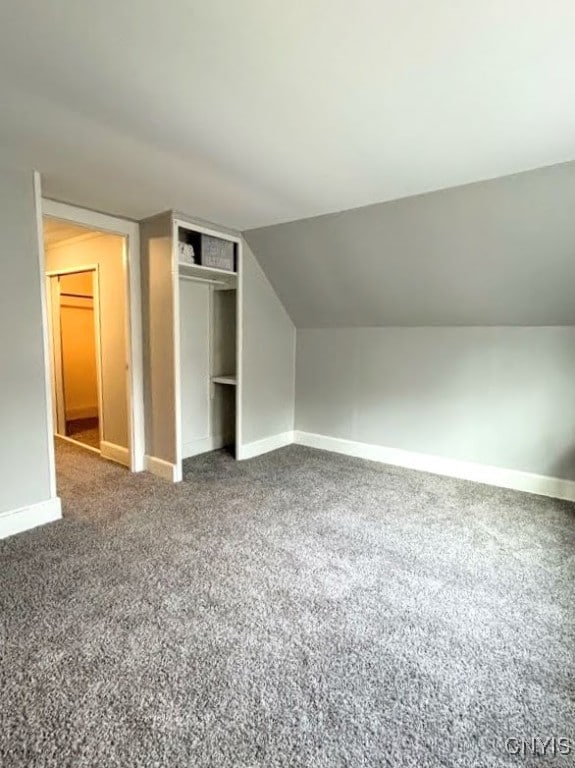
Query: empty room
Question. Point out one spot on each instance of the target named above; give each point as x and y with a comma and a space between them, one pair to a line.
287, 387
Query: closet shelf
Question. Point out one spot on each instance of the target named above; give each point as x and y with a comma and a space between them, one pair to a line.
231, 380
220, 276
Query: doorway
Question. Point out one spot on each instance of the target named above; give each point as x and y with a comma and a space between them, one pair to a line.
88, 306
76, 354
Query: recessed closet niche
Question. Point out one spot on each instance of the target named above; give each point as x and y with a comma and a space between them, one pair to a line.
190, 279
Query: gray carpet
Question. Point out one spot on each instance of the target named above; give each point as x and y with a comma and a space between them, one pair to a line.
298, 609
85, 431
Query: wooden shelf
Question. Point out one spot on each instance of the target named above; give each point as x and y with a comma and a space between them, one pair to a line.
230, 380
217, 276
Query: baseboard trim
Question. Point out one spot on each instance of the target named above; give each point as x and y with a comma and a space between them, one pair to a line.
80, 444
163, 469
82, 412
206, 444
115, 452
267, 444
542, 485
18, 520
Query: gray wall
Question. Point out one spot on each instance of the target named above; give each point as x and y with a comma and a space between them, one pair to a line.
268, 365
158, 337
499, 252
24, 455
497, 396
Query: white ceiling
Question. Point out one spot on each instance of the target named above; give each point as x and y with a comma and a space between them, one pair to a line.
249, 113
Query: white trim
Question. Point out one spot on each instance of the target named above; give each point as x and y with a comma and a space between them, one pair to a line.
135, 384
17, 520
163, 469
114, 452
38, 205
543, 485
203, 445
53, 333
97, 316
176, 341
80, 444
267, 444
239, 346
85, 412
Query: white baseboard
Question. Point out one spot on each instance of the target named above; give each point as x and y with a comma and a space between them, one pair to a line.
115, 452
83, 412
72, 441
272, 443
206, 444
17, 520
164, 469
542, 485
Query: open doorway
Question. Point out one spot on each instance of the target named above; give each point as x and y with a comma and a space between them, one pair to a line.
88, 311
75, 324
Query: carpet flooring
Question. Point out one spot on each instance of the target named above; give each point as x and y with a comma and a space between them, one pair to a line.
298, 609
84, 431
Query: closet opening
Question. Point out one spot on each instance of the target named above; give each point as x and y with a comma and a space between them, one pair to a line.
191, 305
207, 365
207, 268
75, 320
88, 336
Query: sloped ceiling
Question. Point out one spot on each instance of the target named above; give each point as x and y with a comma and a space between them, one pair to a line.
257, 112
500, 252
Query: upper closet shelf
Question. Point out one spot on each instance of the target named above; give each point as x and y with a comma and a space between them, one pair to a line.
219, 277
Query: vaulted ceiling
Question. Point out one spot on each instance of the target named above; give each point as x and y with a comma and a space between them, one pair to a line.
257, 112
499, 252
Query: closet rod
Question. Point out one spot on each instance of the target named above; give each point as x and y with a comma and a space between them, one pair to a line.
202, 280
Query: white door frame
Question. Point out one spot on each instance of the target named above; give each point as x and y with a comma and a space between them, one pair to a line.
54, 335
130, 230
56, 346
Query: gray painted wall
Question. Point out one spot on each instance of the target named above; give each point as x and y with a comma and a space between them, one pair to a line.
24, 455
499, 252
497, 396
157, 336
268, 364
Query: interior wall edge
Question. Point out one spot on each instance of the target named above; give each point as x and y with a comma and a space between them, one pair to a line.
265, 277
